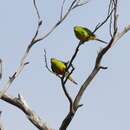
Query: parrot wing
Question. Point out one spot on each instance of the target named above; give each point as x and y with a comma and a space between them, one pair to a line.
88, 31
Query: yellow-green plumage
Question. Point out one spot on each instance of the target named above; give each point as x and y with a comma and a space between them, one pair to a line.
83, 34
59, 67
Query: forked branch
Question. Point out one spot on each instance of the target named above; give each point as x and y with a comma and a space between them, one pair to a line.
34, 40
115, 37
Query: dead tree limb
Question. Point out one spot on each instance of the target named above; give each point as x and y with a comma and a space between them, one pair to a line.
34, 41
21, 103
115, 36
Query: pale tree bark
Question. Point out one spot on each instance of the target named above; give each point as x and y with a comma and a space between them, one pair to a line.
21, 103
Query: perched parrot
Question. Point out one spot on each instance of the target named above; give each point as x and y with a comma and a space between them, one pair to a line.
59, 67
84, 34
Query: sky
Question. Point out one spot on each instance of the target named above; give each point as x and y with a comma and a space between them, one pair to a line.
106, 100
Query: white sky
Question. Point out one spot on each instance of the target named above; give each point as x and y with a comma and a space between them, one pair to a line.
106, 101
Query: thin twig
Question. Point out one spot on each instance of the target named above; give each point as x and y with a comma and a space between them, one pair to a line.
99, 25
115, 15
110, 23
110, 7
72, 70
80, 4
38, 15
110, 27
59, 22
46, 64
63, 82
71, 61
62, 9
75, 54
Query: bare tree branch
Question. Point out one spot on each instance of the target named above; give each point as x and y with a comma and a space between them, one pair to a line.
71, 61
79, 3
23, 60
64, 78
115, 37
99, 25
62, 9
93, 73
62, 18
67, 94
20, 103
12, 78
121, 34
38, 15
110, 23
33, 41
75, 54
75, 105
46, 64
115, 15
78, 97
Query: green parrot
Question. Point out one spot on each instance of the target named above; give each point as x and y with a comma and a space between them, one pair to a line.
59, 67
84, 34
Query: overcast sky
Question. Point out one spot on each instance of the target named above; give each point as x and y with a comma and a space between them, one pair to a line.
106, 101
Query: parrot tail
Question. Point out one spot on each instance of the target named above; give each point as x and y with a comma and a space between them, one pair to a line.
71, 79
101, 41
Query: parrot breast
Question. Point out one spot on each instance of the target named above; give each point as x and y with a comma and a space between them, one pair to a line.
58, 67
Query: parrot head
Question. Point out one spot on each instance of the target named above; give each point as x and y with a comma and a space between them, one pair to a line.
53, 60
